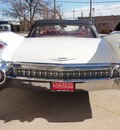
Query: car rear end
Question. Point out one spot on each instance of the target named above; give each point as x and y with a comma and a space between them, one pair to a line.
66, 60
5, 27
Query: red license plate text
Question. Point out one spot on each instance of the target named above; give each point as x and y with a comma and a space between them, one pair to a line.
63, 86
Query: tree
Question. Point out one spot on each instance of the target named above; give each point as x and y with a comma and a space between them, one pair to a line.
29, 10
25, 10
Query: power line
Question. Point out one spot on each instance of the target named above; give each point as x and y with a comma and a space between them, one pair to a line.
95, 9
88, 2
108, 8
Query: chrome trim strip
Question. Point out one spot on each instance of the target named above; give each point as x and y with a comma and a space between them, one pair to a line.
54, 64
62, 67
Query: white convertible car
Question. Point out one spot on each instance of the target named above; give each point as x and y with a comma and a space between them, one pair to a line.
67, 54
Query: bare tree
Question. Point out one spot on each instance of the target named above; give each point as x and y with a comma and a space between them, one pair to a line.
36, 7
29, 10
26, 10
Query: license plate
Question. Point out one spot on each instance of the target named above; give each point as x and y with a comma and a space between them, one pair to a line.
62, 86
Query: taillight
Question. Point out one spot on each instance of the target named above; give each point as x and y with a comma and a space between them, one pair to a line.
1, 46
112, 63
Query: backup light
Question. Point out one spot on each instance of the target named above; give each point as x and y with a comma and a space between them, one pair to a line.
33, 72
28, 73
23, 73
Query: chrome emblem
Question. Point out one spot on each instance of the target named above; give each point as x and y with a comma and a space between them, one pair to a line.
61, 59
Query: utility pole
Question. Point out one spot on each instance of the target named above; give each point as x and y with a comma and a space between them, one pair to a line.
54, 9
73, 14
91, 10
81, 14
47, 13
93, 18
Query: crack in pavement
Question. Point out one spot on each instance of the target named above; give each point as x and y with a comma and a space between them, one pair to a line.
108, 110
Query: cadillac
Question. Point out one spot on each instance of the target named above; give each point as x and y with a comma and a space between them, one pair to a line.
66, 54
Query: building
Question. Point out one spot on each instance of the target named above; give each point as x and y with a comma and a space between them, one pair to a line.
104, 24
14, 25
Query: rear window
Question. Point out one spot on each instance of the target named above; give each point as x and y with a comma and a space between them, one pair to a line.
62, 31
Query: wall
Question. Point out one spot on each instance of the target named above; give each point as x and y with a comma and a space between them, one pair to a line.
104, 24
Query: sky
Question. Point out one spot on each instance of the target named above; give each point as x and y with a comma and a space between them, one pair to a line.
74, 10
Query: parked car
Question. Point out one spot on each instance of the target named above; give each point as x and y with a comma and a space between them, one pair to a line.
117, 27
67, 54
5, 27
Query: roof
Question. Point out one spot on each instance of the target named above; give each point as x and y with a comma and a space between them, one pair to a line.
63, 22
84, 22
4, 22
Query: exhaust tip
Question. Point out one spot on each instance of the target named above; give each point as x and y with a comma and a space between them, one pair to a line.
2, 77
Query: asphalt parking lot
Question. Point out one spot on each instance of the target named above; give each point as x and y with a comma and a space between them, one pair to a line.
28, 109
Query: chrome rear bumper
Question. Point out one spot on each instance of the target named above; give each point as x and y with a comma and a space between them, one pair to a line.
87, 86
100, 76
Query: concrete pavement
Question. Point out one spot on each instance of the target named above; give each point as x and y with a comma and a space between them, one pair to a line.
28, 109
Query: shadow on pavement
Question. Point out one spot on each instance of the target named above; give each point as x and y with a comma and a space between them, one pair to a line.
28, 104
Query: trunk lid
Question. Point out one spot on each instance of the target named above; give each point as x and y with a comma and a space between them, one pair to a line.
63, 50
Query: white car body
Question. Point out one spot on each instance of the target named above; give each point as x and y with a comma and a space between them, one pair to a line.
81, 55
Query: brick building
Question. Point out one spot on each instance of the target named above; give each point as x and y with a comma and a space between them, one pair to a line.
104, 24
